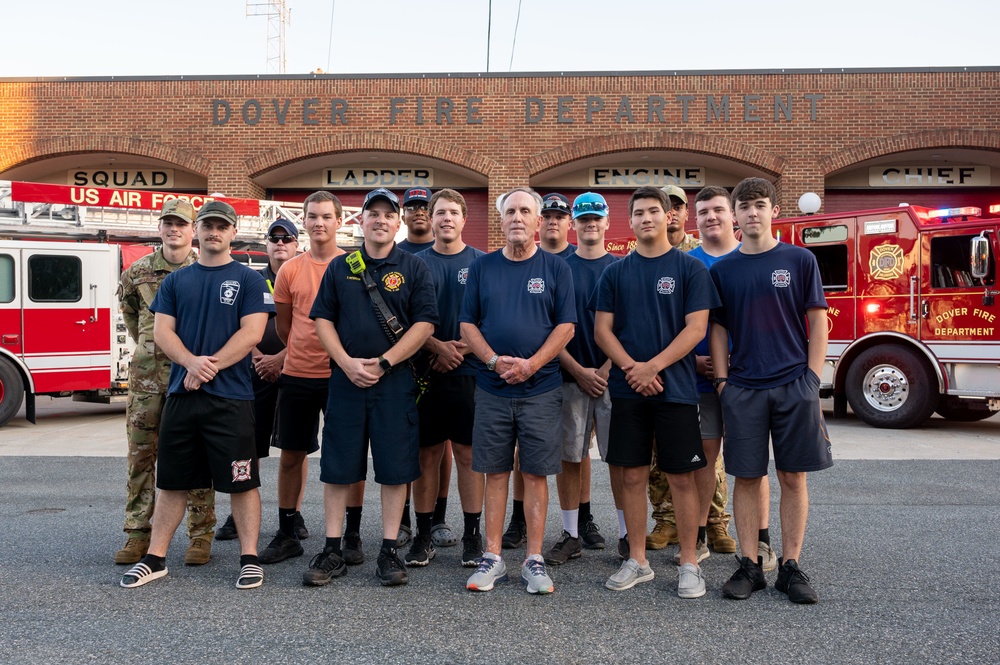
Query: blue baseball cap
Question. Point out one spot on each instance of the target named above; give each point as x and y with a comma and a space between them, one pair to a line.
417, 194
556, 202
381, 194
282, 223
590, 203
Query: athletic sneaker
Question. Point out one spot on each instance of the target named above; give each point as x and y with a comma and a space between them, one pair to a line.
534, 577
251, 577
564, 550
624, 549
324, 567
281, 547
351, 549
421, 551
767, 556
443, 536
140, 574
630, 574
403, 538
795, 583
389, 569
472, 550
227, 531
591, 536
700, 551
490, 571
300, 527
747, 579
690, 581
515, 534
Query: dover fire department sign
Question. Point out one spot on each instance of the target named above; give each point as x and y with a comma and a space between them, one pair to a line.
886, 262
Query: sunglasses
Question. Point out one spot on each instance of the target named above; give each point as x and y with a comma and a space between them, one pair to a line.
415, 208
587, 206
555, 204
284, 239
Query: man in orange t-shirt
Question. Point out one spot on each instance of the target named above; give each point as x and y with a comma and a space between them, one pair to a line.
302, 387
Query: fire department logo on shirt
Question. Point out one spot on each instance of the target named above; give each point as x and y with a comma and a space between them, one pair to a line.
241, 470
463, 275
665, 285
393, 281
228, 291
536, 285
781, 278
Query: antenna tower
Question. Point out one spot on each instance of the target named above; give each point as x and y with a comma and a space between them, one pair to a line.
278, 16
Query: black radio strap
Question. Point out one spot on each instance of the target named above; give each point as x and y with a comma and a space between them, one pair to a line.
390, 324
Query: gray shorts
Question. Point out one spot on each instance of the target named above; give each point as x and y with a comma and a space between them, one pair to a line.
790, 415
583, 418
710, 415
532, 423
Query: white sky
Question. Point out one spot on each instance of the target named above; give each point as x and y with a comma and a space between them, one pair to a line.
215, 37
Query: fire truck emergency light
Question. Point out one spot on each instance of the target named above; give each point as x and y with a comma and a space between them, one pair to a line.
955, 212
872, 308
995, 208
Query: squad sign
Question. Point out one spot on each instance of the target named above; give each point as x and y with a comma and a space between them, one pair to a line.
144, 178
33, 192
584, 109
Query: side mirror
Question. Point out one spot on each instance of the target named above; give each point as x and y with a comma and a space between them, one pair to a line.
979, 259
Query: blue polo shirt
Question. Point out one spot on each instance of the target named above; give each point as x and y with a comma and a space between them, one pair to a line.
583, 348
516, 305
405, 285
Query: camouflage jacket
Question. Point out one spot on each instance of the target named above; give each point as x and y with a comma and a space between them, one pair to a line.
150, 367
689, 243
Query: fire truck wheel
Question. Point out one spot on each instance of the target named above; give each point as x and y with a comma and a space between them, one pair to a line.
11, 391
891, 386
962, 413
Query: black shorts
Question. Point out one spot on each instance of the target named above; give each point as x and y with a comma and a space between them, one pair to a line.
265, 398
300, 404
789, 417
207, 441
637, 423
447, 410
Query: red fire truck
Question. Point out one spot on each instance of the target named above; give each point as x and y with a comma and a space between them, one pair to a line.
913, 312
62, 250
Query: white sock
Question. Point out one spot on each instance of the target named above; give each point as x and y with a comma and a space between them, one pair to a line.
622, 529
571, 522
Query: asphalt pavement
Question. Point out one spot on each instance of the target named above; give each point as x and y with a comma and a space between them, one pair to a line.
903, 553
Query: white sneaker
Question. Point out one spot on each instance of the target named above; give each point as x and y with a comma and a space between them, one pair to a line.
534, 576
690, 583
490, 571
630, 574
701, 553
767, 555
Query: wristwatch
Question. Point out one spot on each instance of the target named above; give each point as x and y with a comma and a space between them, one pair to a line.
492, 364
384, 364
718, 381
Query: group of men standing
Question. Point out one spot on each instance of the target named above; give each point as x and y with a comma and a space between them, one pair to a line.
450, 349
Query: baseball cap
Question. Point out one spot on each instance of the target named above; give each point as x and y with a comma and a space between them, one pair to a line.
556, 202
383, 194
282, 223
178, 208
590, 203
218, 209
417, 194
676, 192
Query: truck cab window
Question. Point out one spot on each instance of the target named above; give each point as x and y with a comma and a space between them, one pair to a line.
55, 278
950, 263
832, 260
6, 278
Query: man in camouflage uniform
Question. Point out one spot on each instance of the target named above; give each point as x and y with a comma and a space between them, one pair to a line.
665, 528
148, 375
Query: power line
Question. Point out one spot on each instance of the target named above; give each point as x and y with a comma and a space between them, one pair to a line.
329, 48
514, 44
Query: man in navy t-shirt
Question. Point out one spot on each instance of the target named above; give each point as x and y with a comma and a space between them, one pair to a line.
208, 319
652, 308
516, 316
553, 233
769, 384
416, 217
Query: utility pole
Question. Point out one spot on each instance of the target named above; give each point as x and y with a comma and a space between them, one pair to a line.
278, 16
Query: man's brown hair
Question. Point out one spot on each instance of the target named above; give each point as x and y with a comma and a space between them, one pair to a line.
649, 193
751, 189
448, 195
321, 196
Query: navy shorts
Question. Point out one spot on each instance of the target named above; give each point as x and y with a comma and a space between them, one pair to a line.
384, 415
789, 415
207, 441
637, 423
300, 403
447, 410
533, 423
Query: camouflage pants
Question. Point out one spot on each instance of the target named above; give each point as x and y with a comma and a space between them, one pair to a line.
663, 507
142, 425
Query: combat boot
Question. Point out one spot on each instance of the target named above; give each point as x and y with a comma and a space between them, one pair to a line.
199, 551
663, 534
719, 538
133, 550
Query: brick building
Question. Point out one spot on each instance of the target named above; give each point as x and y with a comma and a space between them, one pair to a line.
859, 138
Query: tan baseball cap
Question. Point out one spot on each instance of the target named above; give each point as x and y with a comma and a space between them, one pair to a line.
676, 192
178, 208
